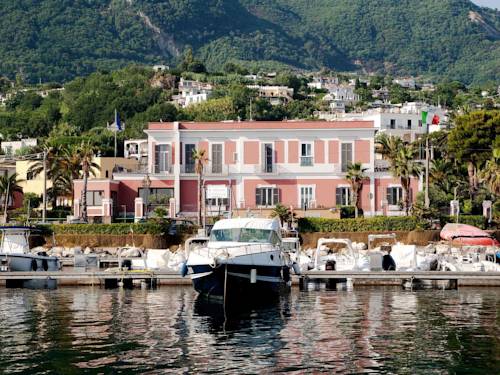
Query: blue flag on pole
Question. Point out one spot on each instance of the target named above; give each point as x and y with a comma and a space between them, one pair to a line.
117, 124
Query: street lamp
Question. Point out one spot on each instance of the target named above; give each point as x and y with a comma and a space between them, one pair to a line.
146, 184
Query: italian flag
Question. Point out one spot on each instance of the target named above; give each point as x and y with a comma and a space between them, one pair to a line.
430, 116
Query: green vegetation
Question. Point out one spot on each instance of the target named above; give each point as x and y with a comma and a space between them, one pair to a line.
151, 227
380, 223
52, 40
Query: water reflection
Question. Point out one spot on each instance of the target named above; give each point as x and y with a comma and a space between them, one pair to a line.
380, 330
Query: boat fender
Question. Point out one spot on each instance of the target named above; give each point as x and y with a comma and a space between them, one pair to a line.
34, 265
286, 274
45, 265
184, 269
388, 263
296, 268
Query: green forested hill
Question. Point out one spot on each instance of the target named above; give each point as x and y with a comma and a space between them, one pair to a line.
60, 39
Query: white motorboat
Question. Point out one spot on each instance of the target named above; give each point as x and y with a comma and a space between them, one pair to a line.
244, 258
15, 256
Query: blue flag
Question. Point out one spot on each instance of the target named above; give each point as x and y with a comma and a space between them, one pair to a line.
117, 125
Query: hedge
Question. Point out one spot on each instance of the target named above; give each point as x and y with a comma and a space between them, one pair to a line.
154, 228
375, 224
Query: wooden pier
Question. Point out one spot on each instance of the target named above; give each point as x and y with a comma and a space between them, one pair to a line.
100, 277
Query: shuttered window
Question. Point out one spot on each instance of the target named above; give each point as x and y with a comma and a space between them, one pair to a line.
394, 195
266, 196
343, 196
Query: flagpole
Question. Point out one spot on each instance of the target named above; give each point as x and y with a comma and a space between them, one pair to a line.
427, 165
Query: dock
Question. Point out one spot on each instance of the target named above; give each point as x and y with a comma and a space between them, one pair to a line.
100, 277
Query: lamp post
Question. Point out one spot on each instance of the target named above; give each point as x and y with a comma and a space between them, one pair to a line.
146, 184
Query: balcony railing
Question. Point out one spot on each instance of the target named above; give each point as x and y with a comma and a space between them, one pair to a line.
216, 170
163, 170
306, 161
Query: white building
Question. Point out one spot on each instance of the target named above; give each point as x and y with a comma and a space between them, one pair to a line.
192, 92
344, 93
323, 83
275, 94
10, 148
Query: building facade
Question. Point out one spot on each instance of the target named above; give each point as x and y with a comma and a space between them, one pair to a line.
251, 167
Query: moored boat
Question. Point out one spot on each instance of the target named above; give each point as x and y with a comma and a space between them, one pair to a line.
244, 258
15, 255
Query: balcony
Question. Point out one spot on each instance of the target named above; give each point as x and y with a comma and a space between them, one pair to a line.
188, 169
268, 169
381, 165
216, 170
306, 161
163, 170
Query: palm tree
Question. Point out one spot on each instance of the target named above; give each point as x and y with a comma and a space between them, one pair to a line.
388, 146
86, 153
8, 186
200, 160
356, 175
405, 167
490, 174
72, 166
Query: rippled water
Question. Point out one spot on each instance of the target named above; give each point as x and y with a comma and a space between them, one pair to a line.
382, 330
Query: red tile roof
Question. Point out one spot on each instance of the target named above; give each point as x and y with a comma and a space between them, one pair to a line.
259, 125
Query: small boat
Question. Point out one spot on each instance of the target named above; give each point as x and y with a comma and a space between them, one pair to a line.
467, 235
16, 257
244, 258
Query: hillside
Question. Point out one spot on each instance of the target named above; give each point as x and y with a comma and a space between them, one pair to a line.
56, 40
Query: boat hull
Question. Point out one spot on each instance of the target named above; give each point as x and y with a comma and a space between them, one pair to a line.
31, 263
235, 281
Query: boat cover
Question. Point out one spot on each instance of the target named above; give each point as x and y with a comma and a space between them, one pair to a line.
464, 234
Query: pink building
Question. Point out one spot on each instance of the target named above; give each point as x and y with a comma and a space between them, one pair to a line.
251, 166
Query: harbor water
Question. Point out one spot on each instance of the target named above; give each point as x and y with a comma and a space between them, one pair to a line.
172, 330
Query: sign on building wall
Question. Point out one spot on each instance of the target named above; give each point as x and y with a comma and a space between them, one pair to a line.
217, 191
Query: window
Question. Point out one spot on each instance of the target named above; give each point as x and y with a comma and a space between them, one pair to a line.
306, 196
343, 196
217, 202
346, 157
268, 158
266, 196
306, 157
394, 195
409, 124
156, 195
248, 235
217, 158
94, 198
162, 158
188, 158
393, 124
419, 123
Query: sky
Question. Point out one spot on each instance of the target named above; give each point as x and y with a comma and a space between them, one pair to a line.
488, 3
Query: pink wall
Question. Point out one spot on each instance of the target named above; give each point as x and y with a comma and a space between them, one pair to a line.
229, 150
152, 155
280, 151
362, 151
173, 153
319, 152
289, 191
293, 151
203, 145
251, 152
333, 152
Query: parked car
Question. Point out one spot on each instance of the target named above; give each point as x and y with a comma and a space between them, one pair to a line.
179, 226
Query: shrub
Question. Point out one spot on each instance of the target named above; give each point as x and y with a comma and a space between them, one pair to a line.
379, 223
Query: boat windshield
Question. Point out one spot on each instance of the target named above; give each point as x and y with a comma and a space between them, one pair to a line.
248, 235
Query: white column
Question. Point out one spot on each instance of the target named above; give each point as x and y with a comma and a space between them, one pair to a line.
76, 208
372, 196
138, 209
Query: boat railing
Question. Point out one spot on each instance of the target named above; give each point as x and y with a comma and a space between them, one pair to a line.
246, 249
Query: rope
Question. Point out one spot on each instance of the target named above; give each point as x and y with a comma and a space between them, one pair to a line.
224, 303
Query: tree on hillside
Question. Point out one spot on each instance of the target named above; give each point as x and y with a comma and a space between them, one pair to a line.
200, 160
405, 167
356, 176
471, 142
